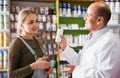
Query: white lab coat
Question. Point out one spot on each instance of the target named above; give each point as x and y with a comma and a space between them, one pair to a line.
100, 57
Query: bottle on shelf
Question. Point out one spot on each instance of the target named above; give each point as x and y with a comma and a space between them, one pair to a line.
68, 10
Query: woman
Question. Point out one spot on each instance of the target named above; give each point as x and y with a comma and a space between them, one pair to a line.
21, 61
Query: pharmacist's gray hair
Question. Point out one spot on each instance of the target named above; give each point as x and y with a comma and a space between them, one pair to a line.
21, 18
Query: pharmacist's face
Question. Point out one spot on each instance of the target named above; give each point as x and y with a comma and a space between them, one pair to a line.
91, 19
30, 25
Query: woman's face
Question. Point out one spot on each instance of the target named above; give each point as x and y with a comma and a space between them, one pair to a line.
30, 24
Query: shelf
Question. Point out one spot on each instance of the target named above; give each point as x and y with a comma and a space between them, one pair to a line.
114, 26
76, 32
3, 70
63, 62
35, 0
77, 0
4, 48
4, 30
69, 20
4, 12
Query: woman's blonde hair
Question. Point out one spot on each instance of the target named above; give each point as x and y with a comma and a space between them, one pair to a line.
21, 18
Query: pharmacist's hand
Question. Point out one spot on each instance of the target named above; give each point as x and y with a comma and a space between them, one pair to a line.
63, 42
50, 70
68, 68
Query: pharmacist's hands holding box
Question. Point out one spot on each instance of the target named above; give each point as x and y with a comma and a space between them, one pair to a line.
61, 39
63, 42
68, 68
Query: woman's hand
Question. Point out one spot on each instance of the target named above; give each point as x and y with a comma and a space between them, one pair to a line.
41, 63
63, 42
50, 70
68, 68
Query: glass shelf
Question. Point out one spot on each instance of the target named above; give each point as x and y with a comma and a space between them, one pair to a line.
4, 48
3, 70
4, 30
4, 12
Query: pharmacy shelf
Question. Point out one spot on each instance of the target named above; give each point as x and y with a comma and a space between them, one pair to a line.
76, 32
4, 48
114, 26
35, 0
77, 0
3, 70
69, 20
4, 12
4, 30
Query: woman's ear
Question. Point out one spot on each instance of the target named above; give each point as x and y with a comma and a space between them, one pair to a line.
21, 26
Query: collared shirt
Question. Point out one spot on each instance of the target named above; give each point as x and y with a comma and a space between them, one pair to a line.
99, 57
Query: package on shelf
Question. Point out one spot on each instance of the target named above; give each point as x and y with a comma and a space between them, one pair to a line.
63, 26
1, 5
18, 9
48, 27
1, 39
3, 74
39, 17
6, 21
53, 75
82, 39
116, 31
65, 10
40, 25
73, 26
42, 10
48, 17
74, 41
53, 27
4, 5
16, 17
54, 19
44, 19
1, 21
12, 18
69, 39
6, 39
115, 19
53, 35
64, 75
3, 59
114, 5
36, 10
50, 49
48, 36
74, 12
55, 48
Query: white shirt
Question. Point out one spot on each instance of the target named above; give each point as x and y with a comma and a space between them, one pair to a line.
100, 56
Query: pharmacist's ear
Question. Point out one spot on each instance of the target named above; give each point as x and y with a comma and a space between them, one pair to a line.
100, 20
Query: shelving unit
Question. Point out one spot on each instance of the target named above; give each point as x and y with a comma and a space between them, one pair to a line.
59, 20
46, 10
71, 32
4, 37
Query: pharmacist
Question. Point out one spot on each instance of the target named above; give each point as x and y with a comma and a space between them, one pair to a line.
100, 56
